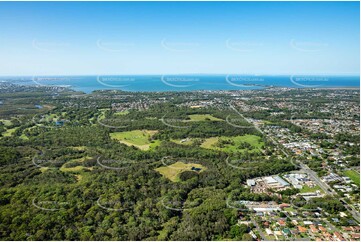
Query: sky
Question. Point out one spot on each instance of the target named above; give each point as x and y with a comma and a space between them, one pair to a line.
93, 38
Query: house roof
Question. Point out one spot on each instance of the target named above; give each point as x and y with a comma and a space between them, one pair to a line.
281, 222
346, 228
302, 229
322, 228
339, 236
284, 205
313, 228
356, 228
355, 236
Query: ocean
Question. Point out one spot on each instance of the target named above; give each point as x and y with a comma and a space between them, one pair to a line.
158, 83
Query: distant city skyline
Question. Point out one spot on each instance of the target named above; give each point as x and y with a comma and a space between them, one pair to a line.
155, 38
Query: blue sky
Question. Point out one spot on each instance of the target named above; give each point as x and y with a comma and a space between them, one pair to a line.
77, 38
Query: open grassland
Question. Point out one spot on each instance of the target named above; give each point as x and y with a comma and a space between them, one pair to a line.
81, 148
234, 143
188, 141
202, 117
353, 175
121, 113
44, 169
72, 169
173, 171
6, 122
306, 189
24, 137
9, 132
102, 113
210, 143
138, 138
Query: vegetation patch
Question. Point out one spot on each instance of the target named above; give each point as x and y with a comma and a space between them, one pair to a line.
72, 169
141, 139
306, 189
251, 143
24, 137
44, 169
173, 171
186, 141
203, 117
80, 148
6, 122
9, 132
353, 175
121, 113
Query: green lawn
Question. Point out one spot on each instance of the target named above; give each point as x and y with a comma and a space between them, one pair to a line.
72, 169
102, 113
188, 141
310, 189
353, 175
173, 171
6, 122
82, 148
9, 132
290, 209
24, 137
121, 113
202, 117
253, 140
137, 138
209, 143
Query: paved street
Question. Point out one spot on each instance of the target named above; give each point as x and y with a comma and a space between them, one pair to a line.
259, 230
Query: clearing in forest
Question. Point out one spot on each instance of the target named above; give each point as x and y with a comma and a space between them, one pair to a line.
251, 143
173, 171
203, 117
138, 138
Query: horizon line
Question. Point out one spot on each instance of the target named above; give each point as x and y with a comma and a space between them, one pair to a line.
210, 74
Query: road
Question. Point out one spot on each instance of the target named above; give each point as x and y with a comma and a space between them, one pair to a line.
324, 186
355, 214
259, 230
327, 189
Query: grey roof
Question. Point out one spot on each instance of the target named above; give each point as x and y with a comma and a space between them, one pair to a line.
281, 181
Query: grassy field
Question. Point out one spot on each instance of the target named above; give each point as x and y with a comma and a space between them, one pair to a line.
353, 175
255, 141
188, 141
70, 169
77, 168
44, 169
202, 117
137, 138
173, 171
210, 143
6, 122
82, 159
24, 137
121, 113
310, 189
9, 132
102, 113
82, 148
51, 117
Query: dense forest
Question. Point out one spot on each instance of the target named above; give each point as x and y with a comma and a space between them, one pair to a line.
70, 180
